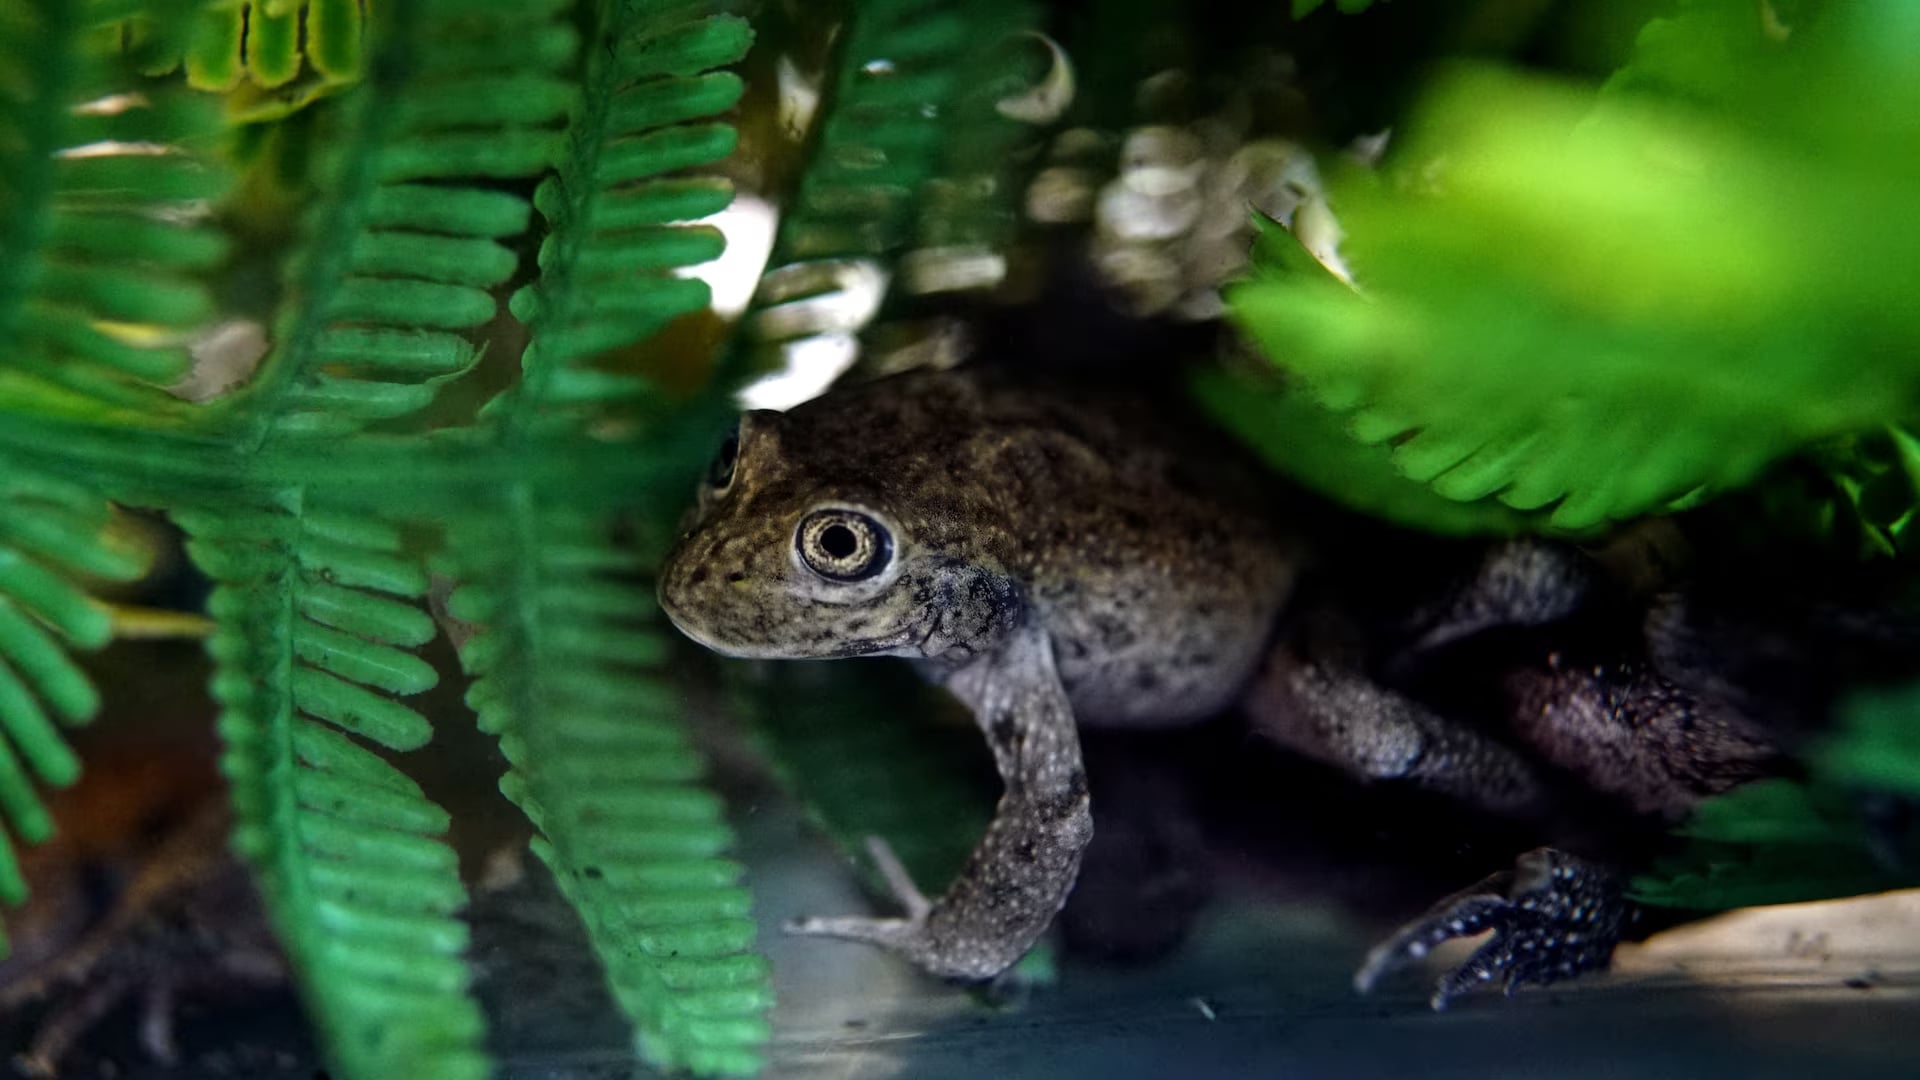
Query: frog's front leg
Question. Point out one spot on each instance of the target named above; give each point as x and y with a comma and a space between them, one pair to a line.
1019, 875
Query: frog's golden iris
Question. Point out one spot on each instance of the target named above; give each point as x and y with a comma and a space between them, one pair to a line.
843, 545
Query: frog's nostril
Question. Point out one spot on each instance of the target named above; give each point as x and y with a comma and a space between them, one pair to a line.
697, 576
736, 577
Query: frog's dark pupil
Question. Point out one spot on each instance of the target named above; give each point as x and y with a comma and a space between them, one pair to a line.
721, 473
838, 541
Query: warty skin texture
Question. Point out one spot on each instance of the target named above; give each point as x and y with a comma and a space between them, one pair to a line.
1150, 563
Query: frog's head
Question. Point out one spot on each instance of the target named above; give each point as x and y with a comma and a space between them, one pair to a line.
811, 539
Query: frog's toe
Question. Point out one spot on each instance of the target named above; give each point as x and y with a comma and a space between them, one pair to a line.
895, 934
1459, 916
943, 955
1552, 917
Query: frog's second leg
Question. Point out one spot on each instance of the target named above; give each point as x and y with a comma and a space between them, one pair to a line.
1020, 873
1553, 916
1319, 703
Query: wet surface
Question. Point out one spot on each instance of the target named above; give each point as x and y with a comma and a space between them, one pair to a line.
1261, 988
1264, 989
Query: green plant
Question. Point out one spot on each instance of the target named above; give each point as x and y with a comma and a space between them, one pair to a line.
1727, 248
466, 147
311, 495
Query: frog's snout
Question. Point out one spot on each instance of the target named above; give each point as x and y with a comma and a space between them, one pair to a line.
694, 584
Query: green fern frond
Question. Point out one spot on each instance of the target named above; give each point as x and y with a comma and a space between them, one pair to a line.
1309, 442
393, 275
569, 674
567, 664
607, 268
51, 532
1679, 341
889, 158
905, 65
103, 188
313, 638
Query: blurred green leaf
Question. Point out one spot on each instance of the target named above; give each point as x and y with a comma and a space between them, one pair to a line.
1597, 305
1311, 443
1784, 840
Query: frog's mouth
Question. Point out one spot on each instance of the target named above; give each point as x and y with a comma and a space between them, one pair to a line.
909, 641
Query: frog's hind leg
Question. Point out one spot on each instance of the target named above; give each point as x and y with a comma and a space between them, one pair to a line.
1552, 917
1315, 699
1019, 875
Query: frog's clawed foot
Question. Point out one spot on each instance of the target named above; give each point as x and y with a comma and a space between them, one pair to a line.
1553, 916
909, 937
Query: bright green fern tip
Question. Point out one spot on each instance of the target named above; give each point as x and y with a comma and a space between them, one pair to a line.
1718, 295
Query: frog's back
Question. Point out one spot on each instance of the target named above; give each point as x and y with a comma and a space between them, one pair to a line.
1147, 544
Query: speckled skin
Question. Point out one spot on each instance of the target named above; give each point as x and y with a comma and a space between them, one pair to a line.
1058, 557
1150, 563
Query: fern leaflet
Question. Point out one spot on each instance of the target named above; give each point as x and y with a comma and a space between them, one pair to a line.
1680, 339
312, 640
103, 183
269, 57
402, 249
50, 532
886, 171
645, 113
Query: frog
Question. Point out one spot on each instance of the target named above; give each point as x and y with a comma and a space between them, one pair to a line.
1063, 555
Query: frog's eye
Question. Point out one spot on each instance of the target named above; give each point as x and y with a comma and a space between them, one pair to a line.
843, 545
720, 473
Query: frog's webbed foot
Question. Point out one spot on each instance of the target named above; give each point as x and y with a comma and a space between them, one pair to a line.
1553, 916
1019, 875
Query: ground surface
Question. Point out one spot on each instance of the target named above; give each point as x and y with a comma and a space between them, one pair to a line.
1262, 989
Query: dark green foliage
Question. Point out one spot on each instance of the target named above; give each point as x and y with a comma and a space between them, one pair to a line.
312, 526
567, 669
875, 751
646, 112
910, 151
1304, 8
1844, 830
